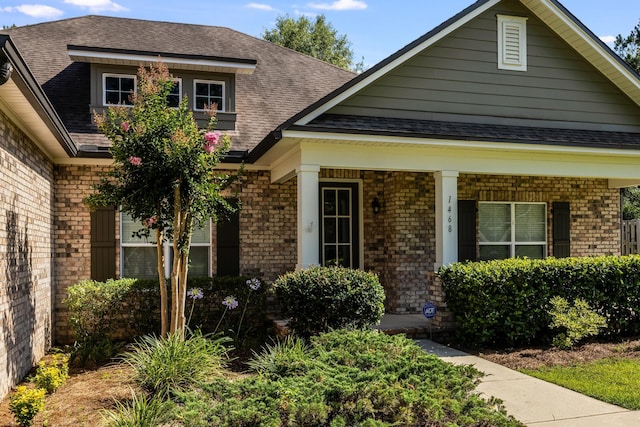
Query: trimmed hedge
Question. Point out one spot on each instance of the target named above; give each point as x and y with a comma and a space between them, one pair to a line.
319, 299
506, 302
127, 308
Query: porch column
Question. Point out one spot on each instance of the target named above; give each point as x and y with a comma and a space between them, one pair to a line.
446, 218
308, 215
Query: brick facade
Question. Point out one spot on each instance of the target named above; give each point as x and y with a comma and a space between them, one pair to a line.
26, 229
398, 242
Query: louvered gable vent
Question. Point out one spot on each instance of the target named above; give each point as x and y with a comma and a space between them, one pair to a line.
512, 43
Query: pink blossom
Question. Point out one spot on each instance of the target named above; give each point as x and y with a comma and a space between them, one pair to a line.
135, 161
125, 126
150, 221
209, 148
212, 137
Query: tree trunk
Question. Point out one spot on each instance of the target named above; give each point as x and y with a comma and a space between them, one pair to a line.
164, 306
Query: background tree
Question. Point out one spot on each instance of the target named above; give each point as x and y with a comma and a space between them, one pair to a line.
629, 48
164, 176
315, 38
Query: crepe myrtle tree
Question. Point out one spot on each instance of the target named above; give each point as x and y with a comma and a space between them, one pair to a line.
164, 176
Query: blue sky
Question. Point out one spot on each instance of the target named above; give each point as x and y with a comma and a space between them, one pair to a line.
376, 28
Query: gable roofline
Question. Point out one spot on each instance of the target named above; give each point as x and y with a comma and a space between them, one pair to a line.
551, 12
38, 100
103, 55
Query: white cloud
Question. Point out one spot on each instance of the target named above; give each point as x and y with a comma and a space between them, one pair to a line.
97, 5
35, 10
340, 5
261, 6
608, 39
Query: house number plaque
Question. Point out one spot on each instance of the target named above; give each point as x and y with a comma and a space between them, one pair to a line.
450, 227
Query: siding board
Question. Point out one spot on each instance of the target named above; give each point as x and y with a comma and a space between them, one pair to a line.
458, 76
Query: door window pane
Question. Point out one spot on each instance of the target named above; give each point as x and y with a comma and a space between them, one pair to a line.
344, 202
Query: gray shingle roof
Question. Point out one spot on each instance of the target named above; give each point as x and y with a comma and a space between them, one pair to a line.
472, 131
283, 83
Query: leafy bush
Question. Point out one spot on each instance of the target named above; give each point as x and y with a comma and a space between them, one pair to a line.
25, 404
164, 365
506, 302
350, 378
51, 375
319, 299
577, 321
141, 411
103, 312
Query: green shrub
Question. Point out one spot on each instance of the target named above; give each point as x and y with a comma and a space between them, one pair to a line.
51, 375
319, 299
25, 404
577, 321
141, 411
102, 313
350, 378
506, 302
162, 366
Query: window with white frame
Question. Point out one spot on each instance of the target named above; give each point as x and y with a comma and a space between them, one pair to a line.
207, 92
512, 230
138, 256
118, 88
512, 43
175, 95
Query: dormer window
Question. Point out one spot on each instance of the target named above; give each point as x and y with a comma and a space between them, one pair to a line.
118, 89
512, 43
208, 92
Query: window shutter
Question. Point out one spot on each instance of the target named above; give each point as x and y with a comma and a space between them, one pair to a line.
561, 230
228, 244
467, 233
103, 243
512, 43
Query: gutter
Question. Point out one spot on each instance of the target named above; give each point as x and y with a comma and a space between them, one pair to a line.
102, 152
32, 90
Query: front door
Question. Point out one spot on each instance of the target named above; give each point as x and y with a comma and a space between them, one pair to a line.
339, 225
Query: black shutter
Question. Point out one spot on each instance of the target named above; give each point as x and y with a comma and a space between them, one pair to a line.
103, 243
561, 230
228, 243
467, 233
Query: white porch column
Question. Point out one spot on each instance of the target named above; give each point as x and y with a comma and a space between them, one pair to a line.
308, 215
446, 217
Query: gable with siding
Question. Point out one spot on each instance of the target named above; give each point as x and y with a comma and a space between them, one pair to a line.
457, 79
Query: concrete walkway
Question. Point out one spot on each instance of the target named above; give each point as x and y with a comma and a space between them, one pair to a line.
530, 400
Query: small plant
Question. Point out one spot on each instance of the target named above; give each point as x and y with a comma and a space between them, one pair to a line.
282, 358
140, 411
578, 321
320, 299
51, 375
164, 365
25, 404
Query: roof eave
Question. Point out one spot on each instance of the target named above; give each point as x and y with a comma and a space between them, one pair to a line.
34, 94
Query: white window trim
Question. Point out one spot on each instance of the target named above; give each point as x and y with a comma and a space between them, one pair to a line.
512, 243
506, 44
224, 94
168, 248
104, 86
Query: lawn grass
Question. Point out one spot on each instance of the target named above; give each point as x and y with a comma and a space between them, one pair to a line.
615, 381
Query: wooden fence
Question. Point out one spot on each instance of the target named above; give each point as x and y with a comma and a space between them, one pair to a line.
631, 236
